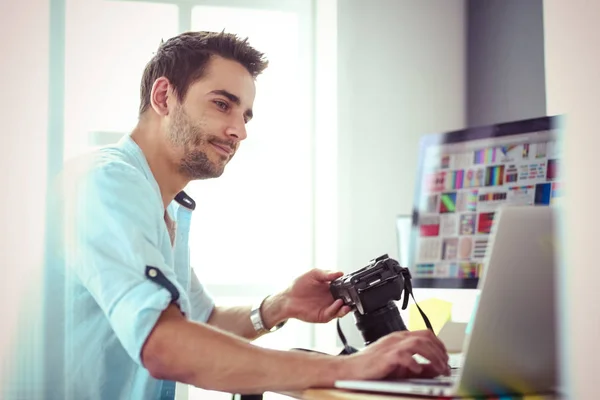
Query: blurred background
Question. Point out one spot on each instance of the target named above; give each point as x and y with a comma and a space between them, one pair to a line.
331, 155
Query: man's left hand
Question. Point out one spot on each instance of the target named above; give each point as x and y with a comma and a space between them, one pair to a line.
309, 299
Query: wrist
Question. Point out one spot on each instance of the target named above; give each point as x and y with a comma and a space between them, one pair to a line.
334, 368
273, 310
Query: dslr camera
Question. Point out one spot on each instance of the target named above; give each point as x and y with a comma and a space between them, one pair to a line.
371, 292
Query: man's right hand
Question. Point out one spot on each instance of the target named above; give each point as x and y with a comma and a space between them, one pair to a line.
392, 357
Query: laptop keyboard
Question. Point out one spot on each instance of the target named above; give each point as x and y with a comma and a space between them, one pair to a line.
456, 360
437, 381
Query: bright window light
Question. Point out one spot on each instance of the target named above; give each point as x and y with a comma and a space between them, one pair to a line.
108, 44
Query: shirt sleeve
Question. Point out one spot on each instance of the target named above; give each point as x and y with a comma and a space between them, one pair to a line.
112, 217
202, 303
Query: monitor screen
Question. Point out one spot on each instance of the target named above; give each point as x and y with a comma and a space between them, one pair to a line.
463, 177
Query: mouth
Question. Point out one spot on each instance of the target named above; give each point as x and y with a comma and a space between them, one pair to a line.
223, 149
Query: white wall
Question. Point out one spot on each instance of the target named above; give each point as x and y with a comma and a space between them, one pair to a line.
572, 43
401, 74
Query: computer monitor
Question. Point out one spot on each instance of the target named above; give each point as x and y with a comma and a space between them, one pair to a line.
463, 177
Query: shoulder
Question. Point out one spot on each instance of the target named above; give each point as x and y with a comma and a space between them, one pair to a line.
106, 171
108, 181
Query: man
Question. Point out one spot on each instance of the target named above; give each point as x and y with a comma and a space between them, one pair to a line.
136, 318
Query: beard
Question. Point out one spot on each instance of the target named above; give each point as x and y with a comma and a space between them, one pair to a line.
192, 138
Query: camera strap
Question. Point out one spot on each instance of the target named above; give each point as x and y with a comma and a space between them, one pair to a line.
347, 348
408, 291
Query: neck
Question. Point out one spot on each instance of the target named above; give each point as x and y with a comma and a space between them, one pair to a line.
148, 137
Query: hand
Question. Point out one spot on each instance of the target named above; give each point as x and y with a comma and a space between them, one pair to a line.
392, 357
309, 299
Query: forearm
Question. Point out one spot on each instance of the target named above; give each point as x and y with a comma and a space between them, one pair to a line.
236, 320
211, 359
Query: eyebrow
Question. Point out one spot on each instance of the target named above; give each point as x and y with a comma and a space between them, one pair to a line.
234, 99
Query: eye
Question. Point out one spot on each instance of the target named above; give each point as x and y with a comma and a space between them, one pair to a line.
222, 105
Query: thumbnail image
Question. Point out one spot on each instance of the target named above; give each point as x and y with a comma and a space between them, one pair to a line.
468, 270
474, 177
525, 151
450, 249
494, 176
448, 203
552, 170
429, 249
479, 248
453, 270
510, 153
467, 200
540, 150
448, 225
465, 247
521, 195
491, 200
424, 270
557, 192
512, 173
454, 180
532, 171
462, 160
434, 182
467, 224
553, 149
429, 225
543, 193
485, 156
442, 270
485, 222
430, 203
445, 164
492, 196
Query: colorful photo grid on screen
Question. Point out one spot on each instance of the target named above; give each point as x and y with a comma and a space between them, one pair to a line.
463, 186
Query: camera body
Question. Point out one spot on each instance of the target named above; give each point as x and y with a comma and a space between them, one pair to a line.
371, 287
371, 292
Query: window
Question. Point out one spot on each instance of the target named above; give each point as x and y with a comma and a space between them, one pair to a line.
253, 227
255, 221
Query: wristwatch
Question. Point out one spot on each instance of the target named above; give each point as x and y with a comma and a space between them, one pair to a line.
257, 320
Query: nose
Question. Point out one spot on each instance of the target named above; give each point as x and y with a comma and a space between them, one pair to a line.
237, 130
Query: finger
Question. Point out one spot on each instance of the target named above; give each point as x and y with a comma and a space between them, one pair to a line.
327, 276
426, 333
440, 362
425, 348
343, 311
427, 371
331, 311
413, 367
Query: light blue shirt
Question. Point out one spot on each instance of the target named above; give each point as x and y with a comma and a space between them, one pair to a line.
108, 228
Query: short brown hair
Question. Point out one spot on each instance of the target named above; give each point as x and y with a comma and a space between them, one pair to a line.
183, 59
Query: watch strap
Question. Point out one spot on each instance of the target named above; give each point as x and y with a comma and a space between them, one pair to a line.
257, 320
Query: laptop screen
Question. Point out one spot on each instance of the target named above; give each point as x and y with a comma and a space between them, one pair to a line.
463, 177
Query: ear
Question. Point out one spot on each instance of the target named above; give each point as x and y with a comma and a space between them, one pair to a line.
159, 96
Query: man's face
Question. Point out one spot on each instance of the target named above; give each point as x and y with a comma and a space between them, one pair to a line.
205, 130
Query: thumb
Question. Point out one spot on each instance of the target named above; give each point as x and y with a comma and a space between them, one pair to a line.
325, 275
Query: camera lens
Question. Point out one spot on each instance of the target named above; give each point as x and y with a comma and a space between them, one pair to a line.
379, 323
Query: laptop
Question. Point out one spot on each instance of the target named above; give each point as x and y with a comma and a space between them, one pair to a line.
510, 346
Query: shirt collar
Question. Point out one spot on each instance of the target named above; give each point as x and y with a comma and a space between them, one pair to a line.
130, 147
